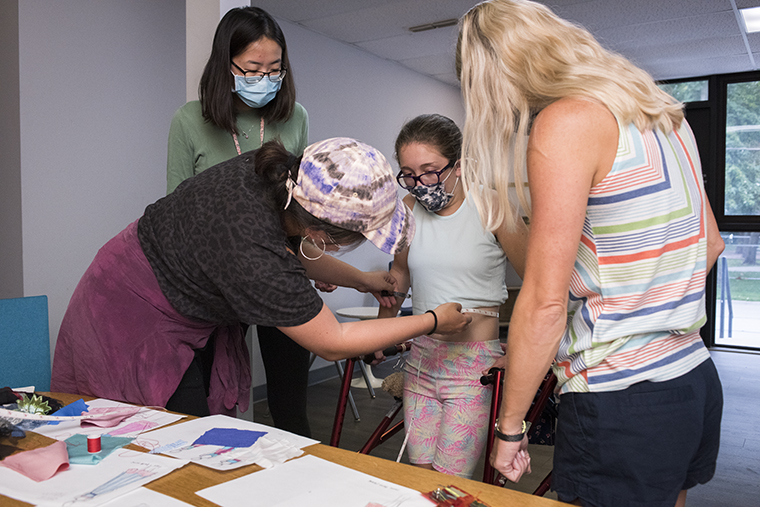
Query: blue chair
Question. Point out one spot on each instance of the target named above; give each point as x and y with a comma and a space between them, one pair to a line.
25, 343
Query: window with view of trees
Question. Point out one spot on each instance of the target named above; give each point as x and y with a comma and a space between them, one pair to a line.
742, 190
689, 91
732, 177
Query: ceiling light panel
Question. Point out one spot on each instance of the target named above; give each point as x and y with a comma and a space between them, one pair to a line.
751, 18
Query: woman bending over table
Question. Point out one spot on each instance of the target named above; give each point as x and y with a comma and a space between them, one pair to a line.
237, 243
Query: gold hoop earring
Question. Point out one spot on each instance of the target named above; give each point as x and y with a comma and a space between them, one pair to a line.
300, 248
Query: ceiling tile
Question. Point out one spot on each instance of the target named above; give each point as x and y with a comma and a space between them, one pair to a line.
299, 10
653, 56
743, 4
431, 64
699, 67
449, 78
387, 20
413, 45
692, 28
669, 38
599, 14
754, 41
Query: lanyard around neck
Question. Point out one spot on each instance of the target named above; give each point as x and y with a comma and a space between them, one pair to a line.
261, 137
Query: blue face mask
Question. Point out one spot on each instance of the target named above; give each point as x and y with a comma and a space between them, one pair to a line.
256, 95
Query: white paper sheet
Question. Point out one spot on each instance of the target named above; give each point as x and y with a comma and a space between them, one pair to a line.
314, 482
144, 497
177, 441
145, 420
119, 473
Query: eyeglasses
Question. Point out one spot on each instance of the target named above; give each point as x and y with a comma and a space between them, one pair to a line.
274, 76
409, 181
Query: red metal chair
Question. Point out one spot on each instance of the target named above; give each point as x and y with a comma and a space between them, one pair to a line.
545, 390
381, 433
384, 430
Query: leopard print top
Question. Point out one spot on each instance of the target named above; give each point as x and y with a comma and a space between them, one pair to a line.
220, 255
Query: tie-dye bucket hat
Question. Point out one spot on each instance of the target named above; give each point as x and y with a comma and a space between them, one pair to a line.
351, 185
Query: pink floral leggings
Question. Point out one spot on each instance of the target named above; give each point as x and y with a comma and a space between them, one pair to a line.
445, 406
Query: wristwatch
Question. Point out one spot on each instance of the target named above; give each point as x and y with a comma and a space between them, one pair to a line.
511, 438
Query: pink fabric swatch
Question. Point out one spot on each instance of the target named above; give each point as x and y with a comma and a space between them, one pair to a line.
117, 414
39, 464
135, 427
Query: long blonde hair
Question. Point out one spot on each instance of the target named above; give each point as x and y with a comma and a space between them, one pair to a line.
515, 57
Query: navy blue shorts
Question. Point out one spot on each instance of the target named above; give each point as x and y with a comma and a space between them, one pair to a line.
640, 446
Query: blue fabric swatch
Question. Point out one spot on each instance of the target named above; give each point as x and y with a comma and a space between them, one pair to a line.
75, 408
229, 437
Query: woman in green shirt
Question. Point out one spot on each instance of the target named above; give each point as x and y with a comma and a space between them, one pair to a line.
247, 97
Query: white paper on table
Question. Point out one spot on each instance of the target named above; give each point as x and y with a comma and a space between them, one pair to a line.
121, 472
177, 441
314, 482
145, 420
264, 452
144, 497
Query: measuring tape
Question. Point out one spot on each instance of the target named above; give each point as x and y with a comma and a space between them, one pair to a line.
13, 415
487, 313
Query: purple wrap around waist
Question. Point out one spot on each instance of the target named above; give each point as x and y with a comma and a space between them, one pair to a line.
121, 339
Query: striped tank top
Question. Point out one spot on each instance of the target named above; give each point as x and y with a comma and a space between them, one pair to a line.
637, 292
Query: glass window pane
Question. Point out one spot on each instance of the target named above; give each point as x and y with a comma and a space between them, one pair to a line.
690, 91
742, 191
737, 306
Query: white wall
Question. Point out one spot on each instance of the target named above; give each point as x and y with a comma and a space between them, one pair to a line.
201, 19
200, 25
99, 82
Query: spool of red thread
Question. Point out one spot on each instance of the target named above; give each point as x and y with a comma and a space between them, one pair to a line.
93, 443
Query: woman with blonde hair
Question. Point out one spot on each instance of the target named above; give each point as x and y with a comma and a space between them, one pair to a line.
621, 240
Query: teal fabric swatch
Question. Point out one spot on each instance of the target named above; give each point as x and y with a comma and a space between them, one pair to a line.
76, 445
